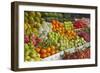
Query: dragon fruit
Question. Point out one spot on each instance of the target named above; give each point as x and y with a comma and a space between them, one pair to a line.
85, 35
35, 40
26, 39
81, 23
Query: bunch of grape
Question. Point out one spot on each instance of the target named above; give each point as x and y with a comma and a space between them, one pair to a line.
79, 54
68, 25
54, 37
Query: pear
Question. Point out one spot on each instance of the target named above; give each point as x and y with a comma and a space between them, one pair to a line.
38, 14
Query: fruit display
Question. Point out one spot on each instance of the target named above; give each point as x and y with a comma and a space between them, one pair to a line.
49, 33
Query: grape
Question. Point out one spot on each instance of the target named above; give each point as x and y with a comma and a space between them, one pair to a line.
79, 54
68, 25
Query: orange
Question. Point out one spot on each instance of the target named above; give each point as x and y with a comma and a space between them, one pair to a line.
48, 49
43, 51
57, 51
43, 55
53, 52
48, 54
57, 22
38, 49
53, 21
52, 47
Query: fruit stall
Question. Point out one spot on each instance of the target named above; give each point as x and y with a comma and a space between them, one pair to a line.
56, 36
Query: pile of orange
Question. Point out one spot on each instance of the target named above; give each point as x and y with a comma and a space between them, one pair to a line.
46, 52
70, 34
58, 26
